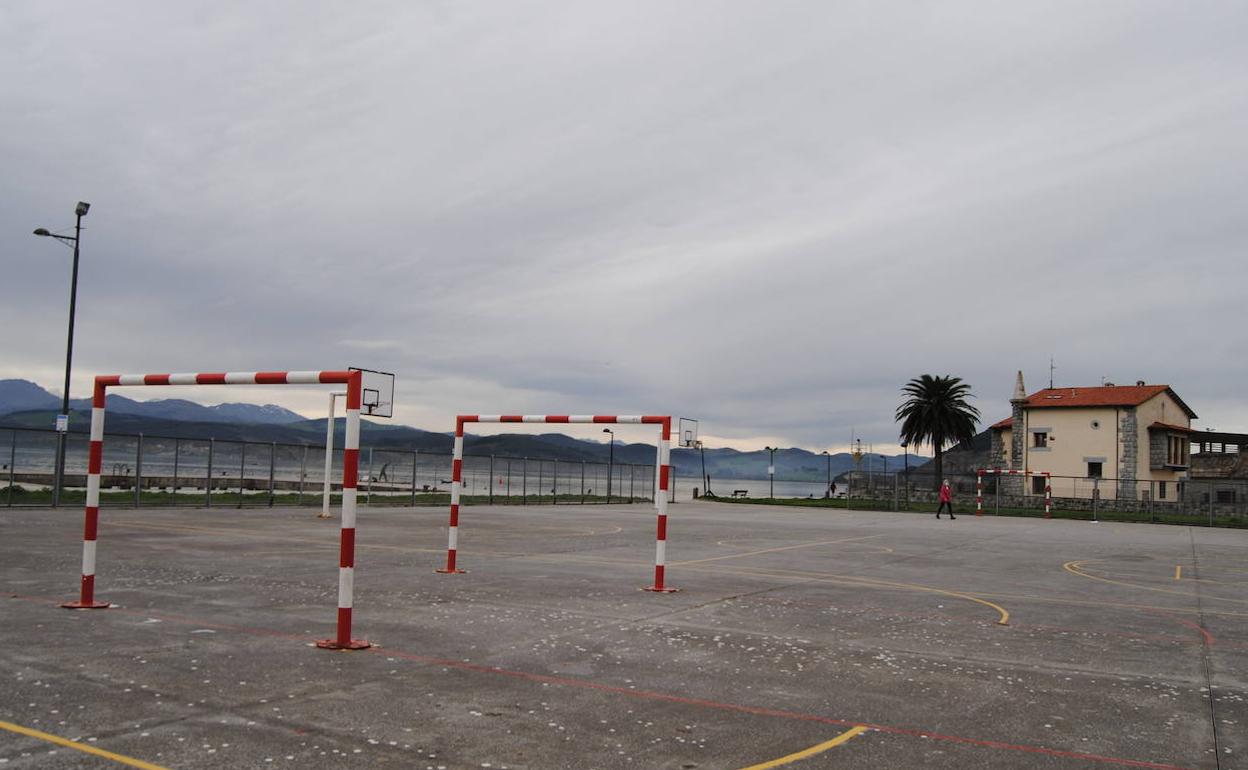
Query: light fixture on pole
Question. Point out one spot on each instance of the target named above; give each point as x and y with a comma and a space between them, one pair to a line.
62, 419
610, 462
771, 472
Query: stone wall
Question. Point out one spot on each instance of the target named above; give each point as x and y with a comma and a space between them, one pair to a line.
1018, 449
1158, 449
1129, 462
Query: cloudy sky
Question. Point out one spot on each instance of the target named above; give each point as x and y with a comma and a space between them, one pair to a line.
768, 216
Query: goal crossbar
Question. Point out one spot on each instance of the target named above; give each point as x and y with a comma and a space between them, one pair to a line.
350, 474
979, 487
662, 475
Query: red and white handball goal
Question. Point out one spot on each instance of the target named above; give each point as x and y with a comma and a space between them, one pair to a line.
353, 379
979, 487
662, 475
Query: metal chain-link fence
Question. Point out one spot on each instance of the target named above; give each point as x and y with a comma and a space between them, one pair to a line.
168, 471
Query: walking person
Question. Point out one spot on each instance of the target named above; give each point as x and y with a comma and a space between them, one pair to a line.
946, 500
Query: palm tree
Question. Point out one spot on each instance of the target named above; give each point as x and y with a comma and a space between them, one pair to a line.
936, 412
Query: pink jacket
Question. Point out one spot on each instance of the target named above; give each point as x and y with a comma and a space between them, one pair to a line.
946, 494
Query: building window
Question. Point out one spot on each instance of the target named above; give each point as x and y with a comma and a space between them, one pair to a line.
1094, 470
1040, 440
1038, 484
1177, 455
1226, 496
1161, 490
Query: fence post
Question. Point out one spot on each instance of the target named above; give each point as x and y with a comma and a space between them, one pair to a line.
1096, 498
541, 468
303, 472
632, 482
272, 468
138, 471
997, 486
1210, 485
849, 489
415, 454
582, 482
12, 463
242, 472
554, 498
491, 479
1151, 518
177, 447
212, 442
896, 494
368, 496
524, 482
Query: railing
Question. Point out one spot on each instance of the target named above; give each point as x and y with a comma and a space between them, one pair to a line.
142, 469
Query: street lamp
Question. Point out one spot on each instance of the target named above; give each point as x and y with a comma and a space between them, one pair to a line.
62, 419
610, 462
827, 491
771, 472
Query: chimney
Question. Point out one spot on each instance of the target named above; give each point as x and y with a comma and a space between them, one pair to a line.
1020, 393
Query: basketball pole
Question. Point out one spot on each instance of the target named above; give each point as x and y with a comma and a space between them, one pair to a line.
329, 456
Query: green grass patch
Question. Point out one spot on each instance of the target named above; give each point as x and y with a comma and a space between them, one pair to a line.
868, 504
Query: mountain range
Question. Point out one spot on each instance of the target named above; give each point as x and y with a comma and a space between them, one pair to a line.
25, 404
26, 396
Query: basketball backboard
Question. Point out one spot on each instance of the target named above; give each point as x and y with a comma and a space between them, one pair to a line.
377, 399
687, 434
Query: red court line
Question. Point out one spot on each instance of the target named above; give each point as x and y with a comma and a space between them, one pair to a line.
1208, 639
586, 684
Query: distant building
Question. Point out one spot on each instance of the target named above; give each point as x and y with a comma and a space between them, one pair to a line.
1114, 441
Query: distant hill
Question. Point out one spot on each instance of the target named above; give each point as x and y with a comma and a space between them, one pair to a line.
23, 396
25, 404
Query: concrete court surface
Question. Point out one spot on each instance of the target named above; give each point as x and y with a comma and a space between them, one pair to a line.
801, 638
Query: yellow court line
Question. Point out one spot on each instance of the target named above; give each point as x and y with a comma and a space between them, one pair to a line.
810, 752
59, 741
868, 582
773, 550
1073, 567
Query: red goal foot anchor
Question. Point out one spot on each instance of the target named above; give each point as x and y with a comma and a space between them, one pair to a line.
344, 640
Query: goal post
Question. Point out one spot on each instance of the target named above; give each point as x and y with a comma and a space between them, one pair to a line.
350, 473
662, 476
979, 487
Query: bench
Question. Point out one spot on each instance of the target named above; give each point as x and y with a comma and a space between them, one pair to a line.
740, 493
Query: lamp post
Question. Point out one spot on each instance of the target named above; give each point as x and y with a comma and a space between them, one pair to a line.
610, 462
771, 473
827, 491
62, 420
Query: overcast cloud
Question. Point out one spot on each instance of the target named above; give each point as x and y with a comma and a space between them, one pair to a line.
765, 215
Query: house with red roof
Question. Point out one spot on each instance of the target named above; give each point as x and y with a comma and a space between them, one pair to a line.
1115, 441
